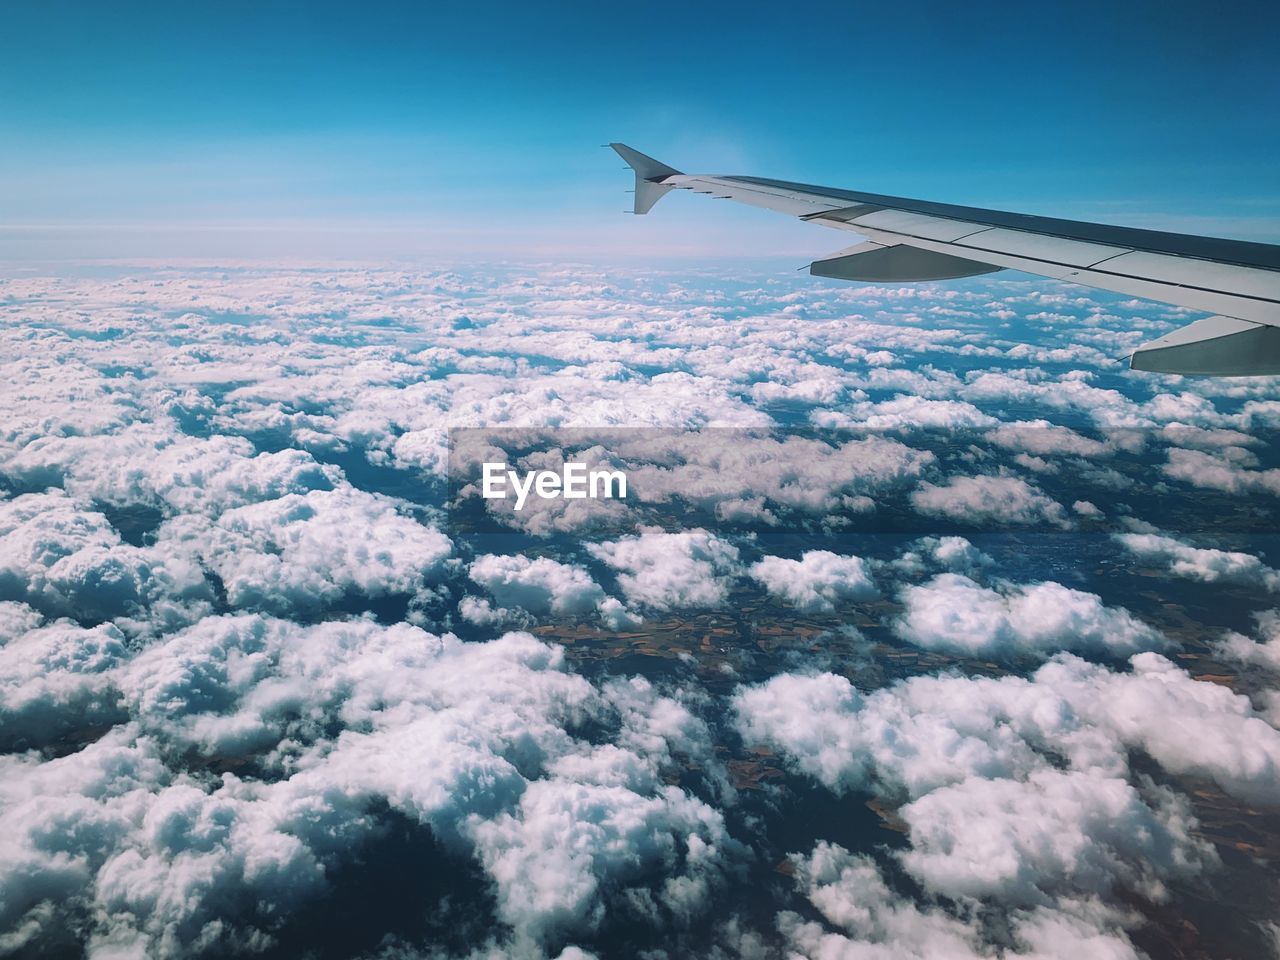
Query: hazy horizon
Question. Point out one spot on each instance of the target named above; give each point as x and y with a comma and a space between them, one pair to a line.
265, 131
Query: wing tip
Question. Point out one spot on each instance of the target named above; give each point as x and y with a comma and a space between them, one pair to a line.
645, 166
649, 176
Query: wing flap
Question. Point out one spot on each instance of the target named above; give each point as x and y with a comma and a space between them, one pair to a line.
896, 263
1215, 346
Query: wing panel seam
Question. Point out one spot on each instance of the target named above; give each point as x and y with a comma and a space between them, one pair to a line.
1077, 268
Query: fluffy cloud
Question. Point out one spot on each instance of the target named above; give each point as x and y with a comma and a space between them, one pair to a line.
817, 581
907, 413
567, 840
538, 584
66, 559
983, 500
1264, 652
1195, 563
469, 740
16, 619
956, 553
1185, 725
954, 614
873, 921
152, 464
734, 472
951, 553
1055, 830
54, 678
301, 551
850, 893
1012, 791
928, 732
1042, 438
660, 570
1229, 471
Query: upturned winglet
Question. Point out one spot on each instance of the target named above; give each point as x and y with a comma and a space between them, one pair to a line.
649, 176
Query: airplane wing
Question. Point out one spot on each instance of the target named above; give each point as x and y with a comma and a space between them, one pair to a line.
1236, 281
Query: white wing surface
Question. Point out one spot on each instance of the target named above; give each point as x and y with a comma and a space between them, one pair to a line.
1236, 281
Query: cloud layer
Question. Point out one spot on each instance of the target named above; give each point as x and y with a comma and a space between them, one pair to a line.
252, 665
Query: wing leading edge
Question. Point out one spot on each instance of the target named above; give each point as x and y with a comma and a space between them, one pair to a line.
906, 240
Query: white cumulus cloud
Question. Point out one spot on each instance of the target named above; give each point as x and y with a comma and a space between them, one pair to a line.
987, 499
954, 614
817, 581
693, 568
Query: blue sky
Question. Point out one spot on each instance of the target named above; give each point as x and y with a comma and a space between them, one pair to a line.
393, 128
